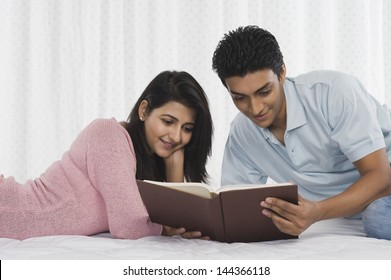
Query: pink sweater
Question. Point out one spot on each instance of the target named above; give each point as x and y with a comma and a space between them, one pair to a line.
92, 189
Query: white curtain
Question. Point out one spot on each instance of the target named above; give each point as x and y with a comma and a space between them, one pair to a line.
64, 63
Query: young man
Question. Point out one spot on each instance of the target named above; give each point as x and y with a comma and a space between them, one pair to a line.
320, 130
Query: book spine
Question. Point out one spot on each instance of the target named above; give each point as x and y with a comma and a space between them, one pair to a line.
217, 219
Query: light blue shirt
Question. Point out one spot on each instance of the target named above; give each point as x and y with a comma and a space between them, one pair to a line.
332, 121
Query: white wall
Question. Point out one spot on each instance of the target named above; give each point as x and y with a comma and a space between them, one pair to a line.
64, 63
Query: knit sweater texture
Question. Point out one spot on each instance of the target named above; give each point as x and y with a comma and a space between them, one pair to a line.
92, 189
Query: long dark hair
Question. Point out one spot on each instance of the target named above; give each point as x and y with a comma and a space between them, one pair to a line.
183, 88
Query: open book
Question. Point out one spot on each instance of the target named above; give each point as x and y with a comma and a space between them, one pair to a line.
228, 214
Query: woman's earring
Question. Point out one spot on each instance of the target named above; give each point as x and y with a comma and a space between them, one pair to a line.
141, 119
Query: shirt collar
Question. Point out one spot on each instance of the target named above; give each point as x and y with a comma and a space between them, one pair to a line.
296, 115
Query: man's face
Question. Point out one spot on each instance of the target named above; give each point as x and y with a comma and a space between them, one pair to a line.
260, 96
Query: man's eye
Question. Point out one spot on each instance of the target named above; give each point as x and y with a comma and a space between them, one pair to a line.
236, 97
264, 92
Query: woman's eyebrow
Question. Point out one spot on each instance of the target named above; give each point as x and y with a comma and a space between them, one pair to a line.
171, 116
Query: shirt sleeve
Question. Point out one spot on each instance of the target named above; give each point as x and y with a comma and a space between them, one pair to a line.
353, 119
111, 166
237, 168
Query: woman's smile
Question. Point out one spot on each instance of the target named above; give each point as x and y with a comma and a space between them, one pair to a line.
168, 145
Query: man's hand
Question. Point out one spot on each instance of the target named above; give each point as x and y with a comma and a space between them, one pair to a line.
291, 218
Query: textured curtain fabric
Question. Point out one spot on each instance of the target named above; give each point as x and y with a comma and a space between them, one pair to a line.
65, 63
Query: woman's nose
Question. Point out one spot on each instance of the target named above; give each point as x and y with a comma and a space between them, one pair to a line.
176, 134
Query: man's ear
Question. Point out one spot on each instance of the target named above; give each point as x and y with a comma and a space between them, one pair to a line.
142, 110
282, 76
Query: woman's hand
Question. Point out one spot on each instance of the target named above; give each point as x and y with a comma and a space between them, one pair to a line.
170, 231
291, 218
175, 166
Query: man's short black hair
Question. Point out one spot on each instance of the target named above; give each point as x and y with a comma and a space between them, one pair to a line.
246, 50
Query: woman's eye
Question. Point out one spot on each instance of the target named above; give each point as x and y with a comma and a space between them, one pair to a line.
188, 129
167, 122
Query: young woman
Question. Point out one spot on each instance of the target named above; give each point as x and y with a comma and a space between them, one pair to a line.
93, 189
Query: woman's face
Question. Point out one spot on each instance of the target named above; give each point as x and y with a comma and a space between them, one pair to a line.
167, 128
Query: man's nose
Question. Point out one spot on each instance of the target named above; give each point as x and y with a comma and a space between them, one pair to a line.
256, 106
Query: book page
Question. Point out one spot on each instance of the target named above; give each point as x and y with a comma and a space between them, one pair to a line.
250, 186
199, 189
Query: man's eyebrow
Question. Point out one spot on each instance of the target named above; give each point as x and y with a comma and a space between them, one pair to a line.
258, 90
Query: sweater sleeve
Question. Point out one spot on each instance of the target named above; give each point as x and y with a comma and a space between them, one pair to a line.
111, 165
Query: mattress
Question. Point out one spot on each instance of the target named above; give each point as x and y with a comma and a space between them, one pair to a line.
326, 240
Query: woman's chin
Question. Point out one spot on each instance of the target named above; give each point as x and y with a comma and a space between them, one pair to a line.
163, 153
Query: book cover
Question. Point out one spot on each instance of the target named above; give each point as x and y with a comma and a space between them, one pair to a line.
231, 214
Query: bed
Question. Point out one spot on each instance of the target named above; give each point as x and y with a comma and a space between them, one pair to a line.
326, 240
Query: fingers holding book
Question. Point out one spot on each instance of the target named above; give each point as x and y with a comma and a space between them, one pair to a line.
171, 231
288, 217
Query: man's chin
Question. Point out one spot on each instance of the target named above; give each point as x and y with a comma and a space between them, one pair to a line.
261, 124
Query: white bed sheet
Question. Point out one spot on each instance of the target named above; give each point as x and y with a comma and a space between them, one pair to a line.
331, 239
